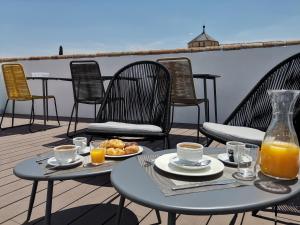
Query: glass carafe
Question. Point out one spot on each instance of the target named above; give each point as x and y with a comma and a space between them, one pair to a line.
279, 155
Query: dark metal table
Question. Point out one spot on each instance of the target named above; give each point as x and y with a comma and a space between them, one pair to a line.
45, 90
141, 189
206, 77
30, 170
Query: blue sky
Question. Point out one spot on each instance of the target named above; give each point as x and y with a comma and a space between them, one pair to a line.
38, 27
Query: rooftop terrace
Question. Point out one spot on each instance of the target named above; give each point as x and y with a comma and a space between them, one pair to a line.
91, 200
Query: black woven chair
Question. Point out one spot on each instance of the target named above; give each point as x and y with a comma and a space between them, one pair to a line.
136, 104
251, 118
88, 87
183, 89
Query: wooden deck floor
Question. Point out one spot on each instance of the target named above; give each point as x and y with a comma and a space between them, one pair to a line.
85, 201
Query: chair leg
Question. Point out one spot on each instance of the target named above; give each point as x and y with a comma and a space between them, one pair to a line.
76, 118
166, 142
198, 124
172, 116
207, 111
56, 111
31, 120
95, 112
13, 113
69, 125
4, 113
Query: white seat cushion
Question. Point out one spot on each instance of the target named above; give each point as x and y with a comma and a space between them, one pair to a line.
124, 127
235, 133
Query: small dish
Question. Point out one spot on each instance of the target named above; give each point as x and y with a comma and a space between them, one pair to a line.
225, 159
189, 166
53, 162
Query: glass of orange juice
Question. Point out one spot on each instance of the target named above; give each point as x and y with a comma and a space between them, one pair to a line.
97, 154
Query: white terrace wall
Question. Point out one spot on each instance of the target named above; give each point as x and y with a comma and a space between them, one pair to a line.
240, 70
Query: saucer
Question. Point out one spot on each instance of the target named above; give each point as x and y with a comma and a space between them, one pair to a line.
53, 162
179, 163
163, 163
225, 159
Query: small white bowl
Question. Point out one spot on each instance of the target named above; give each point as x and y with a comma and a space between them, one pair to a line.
189, 151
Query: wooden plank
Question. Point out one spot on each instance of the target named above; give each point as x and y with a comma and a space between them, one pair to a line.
18, 210
20, 194
102, 213
96, 199
10, 222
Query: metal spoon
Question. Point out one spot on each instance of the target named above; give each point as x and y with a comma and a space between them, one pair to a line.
184, 162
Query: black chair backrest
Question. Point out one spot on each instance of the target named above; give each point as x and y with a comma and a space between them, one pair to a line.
138, 93
183, 89
255, 110
87, 82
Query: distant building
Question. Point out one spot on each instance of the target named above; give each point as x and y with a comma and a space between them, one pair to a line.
203, 40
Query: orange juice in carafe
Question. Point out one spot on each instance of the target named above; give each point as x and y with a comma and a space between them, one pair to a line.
279, 159
279, 154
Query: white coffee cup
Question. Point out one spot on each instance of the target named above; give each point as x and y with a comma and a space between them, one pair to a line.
65, 153
189, 151
81, 142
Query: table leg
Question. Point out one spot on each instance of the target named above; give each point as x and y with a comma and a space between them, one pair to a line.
171, 218
32, 197
47, 111
215, 100
158, 216
120, 209
49, 203
44, 101
276, 211
242, 220
206, 102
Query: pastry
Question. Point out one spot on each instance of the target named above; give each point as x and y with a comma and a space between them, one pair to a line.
116, 147
131, 149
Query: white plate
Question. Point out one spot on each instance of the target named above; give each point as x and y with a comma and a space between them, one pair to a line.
225, 159
85, 151
52, 162
163, 163
174, 161
124, 156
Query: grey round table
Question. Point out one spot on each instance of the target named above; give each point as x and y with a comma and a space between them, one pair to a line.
141, 189
30, 169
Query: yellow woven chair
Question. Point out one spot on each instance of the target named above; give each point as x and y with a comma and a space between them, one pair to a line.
17, 90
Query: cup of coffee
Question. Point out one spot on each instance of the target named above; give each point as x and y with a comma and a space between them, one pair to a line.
65, 153
81, 142
233, 148
189, 151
